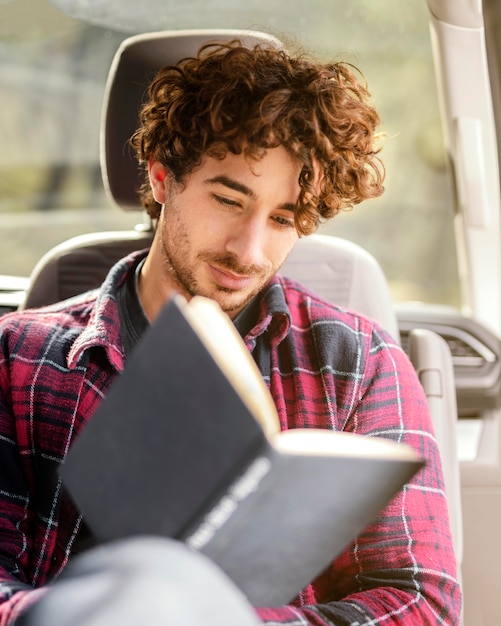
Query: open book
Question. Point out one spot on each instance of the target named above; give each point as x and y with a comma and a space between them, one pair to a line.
187, 444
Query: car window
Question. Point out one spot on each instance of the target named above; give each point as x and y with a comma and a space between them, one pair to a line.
52, 75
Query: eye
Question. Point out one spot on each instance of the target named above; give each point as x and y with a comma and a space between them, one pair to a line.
226, 202
284, 222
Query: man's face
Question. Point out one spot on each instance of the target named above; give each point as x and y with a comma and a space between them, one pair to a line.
226, 230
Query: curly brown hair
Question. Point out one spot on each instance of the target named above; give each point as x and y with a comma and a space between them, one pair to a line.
241, 100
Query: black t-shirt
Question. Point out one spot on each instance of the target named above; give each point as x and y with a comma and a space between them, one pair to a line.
133, 320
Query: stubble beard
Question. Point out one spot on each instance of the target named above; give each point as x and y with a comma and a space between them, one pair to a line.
180, 272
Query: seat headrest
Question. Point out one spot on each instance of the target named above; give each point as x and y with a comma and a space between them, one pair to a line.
133, 67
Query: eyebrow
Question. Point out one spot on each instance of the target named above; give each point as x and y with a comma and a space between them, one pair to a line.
232, 184
241, 188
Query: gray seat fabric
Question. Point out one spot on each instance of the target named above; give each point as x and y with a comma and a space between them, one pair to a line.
344, 273
80, 264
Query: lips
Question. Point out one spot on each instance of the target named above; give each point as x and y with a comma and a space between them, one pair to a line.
228, 280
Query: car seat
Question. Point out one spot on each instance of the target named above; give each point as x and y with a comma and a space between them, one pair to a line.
339, 270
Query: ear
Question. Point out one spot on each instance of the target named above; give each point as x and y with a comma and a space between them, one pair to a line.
157, 174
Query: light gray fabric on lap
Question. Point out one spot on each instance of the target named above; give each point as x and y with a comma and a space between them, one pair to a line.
147, 580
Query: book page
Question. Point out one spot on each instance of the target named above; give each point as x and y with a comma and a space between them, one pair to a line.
340, 444
222, 340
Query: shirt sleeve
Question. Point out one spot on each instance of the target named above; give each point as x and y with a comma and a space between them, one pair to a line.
13, 542
16, 513
402, 569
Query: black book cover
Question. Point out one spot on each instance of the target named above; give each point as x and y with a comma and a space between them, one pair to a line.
185, 413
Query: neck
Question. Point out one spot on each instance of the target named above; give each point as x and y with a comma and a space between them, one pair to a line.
153, 288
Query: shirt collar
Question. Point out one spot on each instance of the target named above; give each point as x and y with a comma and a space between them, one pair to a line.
274, 315
103, 329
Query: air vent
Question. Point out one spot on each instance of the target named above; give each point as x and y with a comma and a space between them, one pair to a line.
467, 351
476, 355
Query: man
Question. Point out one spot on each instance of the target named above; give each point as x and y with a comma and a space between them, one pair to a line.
245, 151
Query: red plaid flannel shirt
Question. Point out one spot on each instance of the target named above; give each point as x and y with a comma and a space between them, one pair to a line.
326, 367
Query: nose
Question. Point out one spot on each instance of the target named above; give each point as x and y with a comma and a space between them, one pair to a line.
247, 242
